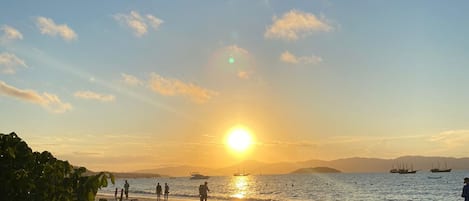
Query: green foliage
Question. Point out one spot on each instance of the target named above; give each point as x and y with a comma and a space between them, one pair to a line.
28, 175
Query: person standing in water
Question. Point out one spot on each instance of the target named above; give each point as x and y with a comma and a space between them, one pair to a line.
204, 193
465, 189
166, 191
126, 189
158, 192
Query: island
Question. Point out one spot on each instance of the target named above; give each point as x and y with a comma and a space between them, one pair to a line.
315, 170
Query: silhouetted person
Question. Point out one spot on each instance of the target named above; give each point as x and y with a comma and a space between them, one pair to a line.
166, 191
465, 189
122, 193
205, 191
201, 192
115, 194
126, 187
158, 192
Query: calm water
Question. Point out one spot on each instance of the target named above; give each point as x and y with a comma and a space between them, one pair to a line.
359, 187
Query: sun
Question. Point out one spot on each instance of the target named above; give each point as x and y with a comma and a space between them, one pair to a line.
239, 139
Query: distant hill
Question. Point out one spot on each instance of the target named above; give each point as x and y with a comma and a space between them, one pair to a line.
356, 164
128, 174
135, 175
315, 170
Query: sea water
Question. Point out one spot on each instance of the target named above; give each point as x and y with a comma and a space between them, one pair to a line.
316, 187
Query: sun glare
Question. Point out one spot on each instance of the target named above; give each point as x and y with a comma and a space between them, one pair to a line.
239, 139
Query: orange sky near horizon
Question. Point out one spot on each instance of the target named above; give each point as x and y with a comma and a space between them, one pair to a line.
131, 85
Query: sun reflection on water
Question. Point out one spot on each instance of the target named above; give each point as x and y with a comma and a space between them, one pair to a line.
240, 185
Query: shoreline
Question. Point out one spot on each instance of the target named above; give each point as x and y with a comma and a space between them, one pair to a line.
139, 198
143, 198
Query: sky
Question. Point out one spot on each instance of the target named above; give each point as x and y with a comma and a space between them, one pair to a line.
130, 85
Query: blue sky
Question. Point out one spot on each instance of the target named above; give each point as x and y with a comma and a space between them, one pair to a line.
311, 79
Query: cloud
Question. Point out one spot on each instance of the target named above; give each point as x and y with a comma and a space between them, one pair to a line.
89, 95
138, 23
10, 34
290, 144
288, 57
244, 75
452, 138
131, 80
175, 87
234, 49
10, 62
154, 21
47, 26
49, 101
295, 24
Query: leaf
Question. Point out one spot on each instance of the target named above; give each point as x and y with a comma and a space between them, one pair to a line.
91, 196
112, 178
11, 152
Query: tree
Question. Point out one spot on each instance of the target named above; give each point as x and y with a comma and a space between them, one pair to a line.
28, 175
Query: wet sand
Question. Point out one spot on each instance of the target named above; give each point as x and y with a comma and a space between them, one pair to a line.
111, 198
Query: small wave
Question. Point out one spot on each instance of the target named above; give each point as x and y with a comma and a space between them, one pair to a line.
221, 197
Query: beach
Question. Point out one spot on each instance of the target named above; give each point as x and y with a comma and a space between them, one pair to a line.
423, 185
141, 198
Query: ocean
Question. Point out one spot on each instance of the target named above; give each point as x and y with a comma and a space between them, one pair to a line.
315, 187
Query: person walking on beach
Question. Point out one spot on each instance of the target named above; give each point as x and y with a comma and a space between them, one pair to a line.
465, 189
126, 189
166, 191
158, 192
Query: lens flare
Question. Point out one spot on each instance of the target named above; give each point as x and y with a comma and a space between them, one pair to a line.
231, 60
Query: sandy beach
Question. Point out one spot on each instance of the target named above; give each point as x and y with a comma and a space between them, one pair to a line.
111, 198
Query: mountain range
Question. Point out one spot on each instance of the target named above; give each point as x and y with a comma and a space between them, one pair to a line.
350, 165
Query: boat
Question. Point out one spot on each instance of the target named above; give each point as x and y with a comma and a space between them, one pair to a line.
196, 175
240, 174
438, 170
393, 170
407, 171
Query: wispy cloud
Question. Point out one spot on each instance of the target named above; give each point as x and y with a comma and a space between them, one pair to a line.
452, 138
289, 144
137, 23
131, 80
89, 95
49, 101
10, 62
288, 57
154, 21
175, 87
235, 49
10, 34
295, 24
47, 26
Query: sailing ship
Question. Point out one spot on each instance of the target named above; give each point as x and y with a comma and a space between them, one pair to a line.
394, 170
438, 170
402, 169
407, 171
